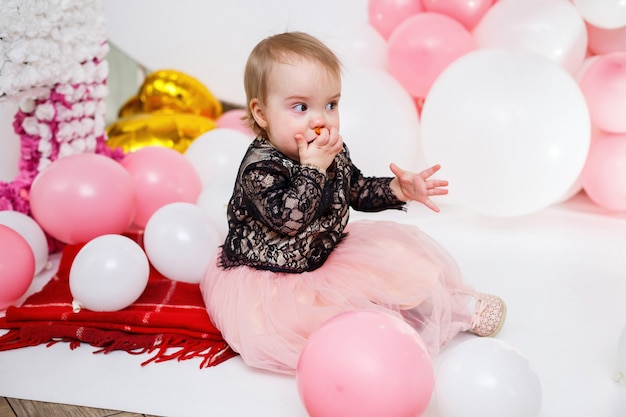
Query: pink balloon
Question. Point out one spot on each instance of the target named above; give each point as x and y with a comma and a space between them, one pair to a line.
466, 12
232, 119
161, 176
365, 364
17, 266
604, 41
604, 86
604, 174
82, 196
422, 47
386, 15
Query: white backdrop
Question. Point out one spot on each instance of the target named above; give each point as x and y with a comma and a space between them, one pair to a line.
211, 39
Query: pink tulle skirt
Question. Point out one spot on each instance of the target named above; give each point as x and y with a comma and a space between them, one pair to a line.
267, 317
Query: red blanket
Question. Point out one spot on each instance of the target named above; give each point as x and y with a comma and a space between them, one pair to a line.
168, 321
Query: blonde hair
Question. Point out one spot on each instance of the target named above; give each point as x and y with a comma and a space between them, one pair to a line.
282, 48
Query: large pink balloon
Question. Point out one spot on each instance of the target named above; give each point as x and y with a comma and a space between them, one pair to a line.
466, 12
422, 47
82, 196
604, 41
161, 176
365, 364
604, 174
604, 87
386, 15
17, 266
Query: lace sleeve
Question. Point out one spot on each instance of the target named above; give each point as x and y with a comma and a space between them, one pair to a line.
285, 200
372, 193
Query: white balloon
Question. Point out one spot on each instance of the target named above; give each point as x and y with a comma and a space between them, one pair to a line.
214, 200
486, 377
552, 28
30, 230
607, 14
10, 150
379, 122
510, 128
109, 273
358, 44
180, 239
217, 153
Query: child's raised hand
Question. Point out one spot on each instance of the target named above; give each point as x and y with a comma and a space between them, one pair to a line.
321, 150
411, 186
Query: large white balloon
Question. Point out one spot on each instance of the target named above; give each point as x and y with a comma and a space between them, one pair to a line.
486, 377
214, 200
379, 121
217, 153
552, 28
30, 230
358, 44
510, 128
607, 14
109, 273
180, 240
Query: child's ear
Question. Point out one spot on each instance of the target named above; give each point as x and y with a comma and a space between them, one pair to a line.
256, 109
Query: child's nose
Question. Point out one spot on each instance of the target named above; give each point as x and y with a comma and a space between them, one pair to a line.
318, 122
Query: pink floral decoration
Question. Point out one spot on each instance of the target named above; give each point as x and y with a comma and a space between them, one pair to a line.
52, 61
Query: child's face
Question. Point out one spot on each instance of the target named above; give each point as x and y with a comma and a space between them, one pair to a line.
301, 97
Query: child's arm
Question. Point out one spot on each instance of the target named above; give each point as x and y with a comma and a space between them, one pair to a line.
417, 186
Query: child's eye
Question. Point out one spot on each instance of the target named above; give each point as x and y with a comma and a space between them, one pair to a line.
331, 106
300, 107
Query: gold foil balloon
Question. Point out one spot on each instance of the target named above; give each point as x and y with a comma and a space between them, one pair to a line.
132, 106
161, 128
179, 92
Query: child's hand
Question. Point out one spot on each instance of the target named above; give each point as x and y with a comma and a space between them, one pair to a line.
411, 186
321, 150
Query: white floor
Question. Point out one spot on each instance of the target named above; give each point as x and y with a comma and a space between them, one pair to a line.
562, 272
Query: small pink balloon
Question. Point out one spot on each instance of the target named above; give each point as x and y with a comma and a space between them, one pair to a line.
604, 174
17, 266
82, 196
604, 87
422, 47
233, 119
466, 12
365, 364
161, 176
386, 15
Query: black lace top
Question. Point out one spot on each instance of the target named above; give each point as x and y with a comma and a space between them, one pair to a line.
286, 217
